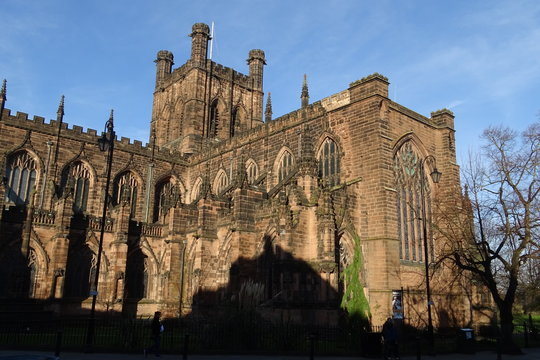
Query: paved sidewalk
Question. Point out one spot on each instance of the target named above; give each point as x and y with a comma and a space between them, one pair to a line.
529, 354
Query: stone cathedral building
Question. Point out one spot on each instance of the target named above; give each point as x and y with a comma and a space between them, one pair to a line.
298, 217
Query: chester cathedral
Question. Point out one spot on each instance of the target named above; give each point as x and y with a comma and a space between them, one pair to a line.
319, 212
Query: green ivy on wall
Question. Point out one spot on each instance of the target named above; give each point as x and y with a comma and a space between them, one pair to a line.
354, 300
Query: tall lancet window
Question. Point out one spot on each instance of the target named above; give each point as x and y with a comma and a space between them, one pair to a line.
32, 273
21, 178
286, 164
77, 177
125, 189
213, 118
252, 171
221, 182
329, 163
167, 196
408, 172
234, 121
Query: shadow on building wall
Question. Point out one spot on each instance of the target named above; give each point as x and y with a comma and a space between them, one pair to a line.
15, 272
276, 286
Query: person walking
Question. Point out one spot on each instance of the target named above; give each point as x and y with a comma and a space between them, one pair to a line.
389, 334
156, 329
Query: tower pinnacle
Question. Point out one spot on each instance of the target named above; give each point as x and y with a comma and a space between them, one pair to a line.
2, 97
305, 94
60, 111
268, 110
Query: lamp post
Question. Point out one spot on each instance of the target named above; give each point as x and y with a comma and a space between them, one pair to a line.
435, 176
106, 143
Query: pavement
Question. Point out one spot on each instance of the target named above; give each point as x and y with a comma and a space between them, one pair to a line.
528, 354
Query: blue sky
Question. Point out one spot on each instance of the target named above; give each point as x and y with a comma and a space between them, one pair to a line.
481, 59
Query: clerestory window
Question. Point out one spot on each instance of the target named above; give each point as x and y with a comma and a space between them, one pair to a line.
221, 182
252, 171
286, 164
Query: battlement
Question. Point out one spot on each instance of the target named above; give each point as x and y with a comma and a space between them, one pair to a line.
76, 132
228, 73
218, 70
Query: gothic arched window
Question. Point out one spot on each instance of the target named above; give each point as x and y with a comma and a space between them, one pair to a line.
213, 118
221, 182
21, 178
252, 171
77, 178
196, 189
408, 173
125, 189
329, 166
32, 273
286, 163
234, 121
167, 196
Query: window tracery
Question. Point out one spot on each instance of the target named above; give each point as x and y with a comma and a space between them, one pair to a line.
286, 164
221, 182
125, 190
167, 196
196, 190
329, 163
252, 172
21, 177
408, 173
76, 178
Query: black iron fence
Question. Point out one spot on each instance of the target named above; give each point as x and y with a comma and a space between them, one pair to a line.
251, 336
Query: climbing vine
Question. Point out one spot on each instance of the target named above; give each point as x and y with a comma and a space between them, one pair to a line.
354, 301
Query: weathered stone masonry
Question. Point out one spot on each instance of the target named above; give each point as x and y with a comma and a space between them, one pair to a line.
222, 208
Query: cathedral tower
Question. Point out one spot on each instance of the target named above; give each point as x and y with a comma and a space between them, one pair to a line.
202, 100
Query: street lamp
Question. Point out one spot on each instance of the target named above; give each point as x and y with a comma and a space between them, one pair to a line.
435, 176
106, 143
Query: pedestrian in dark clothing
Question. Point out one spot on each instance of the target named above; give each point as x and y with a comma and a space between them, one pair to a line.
390, 339
156, 329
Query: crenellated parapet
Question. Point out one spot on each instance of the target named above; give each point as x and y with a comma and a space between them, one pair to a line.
38, 124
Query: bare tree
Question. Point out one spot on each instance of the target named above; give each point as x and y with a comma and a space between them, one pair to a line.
493, 231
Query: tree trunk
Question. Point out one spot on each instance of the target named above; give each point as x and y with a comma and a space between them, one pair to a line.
508, 346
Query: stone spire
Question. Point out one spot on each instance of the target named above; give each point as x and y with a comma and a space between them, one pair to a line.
305, 93
268, 110
2, 98
60, 111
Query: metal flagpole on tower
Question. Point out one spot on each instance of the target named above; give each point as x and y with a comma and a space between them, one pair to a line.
211, 40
